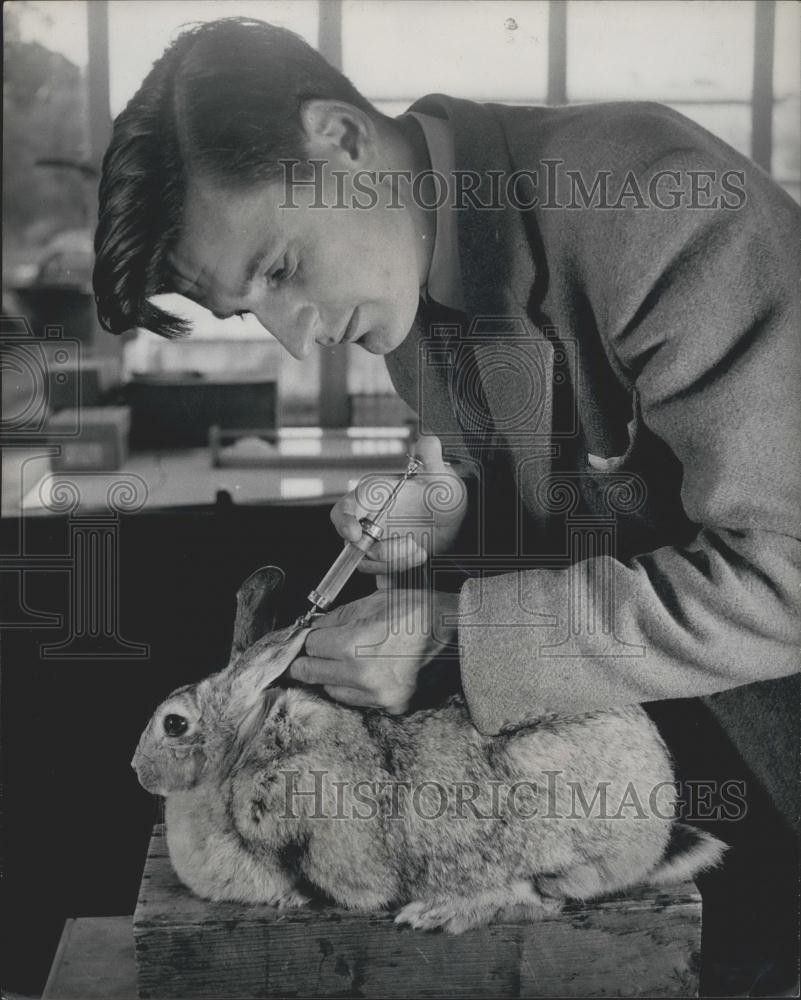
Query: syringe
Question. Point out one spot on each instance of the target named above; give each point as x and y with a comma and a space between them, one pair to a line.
344, 566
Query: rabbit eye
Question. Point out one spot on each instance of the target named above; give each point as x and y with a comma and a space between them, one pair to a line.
175, 725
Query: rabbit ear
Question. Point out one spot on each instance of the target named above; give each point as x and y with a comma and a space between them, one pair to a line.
262, 664
256, 603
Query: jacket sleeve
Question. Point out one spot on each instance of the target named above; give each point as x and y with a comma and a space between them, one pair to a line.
699, 313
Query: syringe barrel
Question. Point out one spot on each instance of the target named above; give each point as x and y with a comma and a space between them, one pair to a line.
344, 567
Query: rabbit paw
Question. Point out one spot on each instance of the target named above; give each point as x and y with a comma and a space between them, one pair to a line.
457, 914
453, 915
291, 900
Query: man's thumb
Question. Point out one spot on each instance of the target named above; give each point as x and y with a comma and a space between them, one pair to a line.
429, 450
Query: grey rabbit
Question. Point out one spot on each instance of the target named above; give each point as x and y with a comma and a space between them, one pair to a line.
273, 792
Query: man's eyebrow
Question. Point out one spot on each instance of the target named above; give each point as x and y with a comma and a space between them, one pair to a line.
189, 291
252, 267
183, 282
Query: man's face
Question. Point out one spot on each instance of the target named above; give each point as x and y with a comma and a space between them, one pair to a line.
323, 275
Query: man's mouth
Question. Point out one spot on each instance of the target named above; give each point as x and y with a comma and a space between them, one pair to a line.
352, 332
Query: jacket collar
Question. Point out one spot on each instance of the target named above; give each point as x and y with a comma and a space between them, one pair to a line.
444, 284
497, 265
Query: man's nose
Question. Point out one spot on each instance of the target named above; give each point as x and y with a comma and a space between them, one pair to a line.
294, 329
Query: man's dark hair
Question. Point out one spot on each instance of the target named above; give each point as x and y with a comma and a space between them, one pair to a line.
223, 102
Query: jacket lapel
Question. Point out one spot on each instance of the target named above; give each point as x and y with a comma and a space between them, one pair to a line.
419, 369
514, 359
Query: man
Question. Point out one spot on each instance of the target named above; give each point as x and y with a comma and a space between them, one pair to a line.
599, 320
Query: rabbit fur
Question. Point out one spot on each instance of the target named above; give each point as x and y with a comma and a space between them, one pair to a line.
273, 795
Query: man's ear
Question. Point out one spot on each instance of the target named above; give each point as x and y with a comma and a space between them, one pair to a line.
338, 131
256, 602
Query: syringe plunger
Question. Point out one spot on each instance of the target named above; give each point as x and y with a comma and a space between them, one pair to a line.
326, 592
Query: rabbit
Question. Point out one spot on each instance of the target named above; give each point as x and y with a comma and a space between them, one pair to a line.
275, 795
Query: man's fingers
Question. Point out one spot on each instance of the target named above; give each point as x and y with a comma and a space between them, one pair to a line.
350, 696
429, 450
398, 548
393, 555
316, 670
342, 614
345, 516
335, 643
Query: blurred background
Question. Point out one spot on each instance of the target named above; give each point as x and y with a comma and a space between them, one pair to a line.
71, 66
144, 480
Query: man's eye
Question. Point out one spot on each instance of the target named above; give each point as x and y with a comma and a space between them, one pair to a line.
281, 273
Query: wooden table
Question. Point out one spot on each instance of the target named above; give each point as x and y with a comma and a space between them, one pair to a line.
94, 961
644, 943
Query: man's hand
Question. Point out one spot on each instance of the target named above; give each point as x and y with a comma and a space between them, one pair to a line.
403, 630
436, 498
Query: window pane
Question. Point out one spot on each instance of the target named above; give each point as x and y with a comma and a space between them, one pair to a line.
664, 51
786, 84
729, 122
786, 165
787, 58
393, 108
152, 24
480, 50
59, 25
47, 209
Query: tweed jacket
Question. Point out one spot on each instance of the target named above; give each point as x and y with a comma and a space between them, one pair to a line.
624, 388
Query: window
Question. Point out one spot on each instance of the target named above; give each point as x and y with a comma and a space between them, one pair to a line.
695, 57
786, 159
44, 118
485, 51
153, 23
701, 58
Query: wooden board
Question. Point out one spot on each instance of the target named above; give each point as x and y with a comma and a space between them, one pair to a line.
94, 959
646, 943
